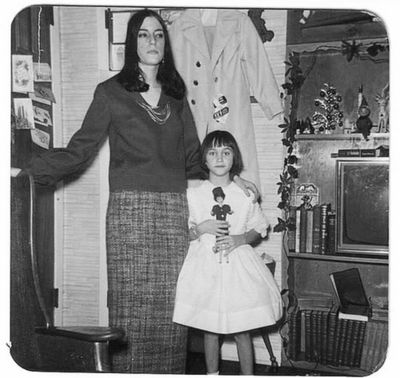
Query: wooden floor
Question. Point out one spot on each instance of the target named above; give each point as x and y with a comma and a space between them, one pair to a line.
196, 365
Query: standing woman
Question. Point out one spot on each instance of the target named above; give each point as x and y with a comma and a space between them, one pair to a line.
154, 149
146, 232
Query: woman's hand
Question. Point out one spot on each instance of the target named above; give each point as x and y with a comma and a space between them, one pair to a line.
213, 227
228, 243
246, 186
15, 171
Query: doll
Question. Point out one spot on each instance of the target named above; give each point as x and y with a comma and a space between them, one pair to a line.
220, 211
364, 123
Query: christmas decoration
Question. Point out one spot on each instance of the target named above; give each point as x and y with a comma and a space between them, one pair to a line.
329, 116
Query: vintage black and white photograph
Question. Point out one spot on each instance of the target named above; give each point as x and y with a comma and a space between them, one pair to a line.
206, 190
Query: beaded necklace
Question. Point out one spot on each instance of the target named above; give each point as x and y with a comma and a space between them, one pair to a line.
158, 116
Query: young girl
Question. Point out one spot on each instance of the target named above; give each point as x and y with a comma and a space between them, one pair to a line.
217, 294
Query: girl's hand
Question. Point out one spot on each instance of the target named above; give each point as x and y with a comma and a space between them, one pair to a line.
213, 227
228, 243
246, 186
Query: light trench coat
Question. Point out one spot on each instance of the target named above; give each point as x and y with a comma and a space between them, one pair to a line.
220, 80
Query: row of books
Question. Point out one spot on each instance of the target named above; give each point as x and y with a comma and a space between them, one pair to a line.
358, 152
375, 346
320, 336
314, 231
381, 151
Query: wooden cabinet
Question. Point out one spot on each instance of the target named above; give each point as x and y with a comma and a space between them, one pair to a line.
347, 50
307, 273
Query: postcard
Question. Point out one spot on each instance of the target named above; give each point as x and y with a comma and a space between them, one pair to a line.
307, 195
24, 113
117, 57
42, 72
41, 138
44, 92
42, 116
39, 99
22, 73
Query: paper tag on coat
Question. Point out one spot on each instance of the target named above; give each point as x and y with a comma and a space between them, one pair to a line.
221, 109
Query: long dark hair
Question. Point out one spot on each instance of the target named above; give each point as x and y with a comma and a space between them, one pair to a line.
221, 138
131, 76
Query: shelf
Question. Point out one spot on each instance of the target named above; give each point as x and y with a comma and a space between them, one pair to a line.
351, 137
340, 258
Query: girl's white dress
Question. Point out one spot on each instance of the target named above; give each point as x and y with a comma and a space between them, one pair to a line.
234, 295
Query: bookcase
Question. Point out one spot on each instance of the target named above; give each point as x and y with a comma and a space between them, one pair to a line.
307, 276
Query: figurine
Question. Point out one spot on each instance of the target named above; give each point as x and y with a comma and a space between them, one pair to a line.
364, 123
383, 102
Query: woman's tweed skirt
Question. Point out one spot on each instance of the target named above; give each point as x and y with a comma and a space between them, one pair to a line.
147, 241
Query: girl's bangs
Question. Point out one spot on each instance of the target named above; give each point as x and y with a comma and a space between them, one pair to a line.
220, 141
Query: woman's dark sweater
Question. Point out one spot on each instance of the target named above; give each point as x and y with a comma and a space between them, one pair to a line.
144, 155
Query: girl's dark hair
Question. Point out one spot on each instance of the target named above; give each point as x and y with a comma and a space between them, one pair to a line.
221, 138
131, 76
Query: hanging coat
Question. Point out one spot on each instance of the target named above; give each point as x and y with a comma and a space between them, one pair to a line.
221, 78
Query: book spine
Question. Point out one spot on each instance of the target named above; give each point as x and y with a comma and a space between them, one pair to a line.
324, 337
308, 352
349, 153
292, 232
314, 333
331, 230
342, 341
338, 336
316, 237
291, 343
365, 355
318, 346
294, 334
360, 344
309, 230
349, 341
332, 321
297, 239
298, 335
323, 228
303, 334
303, 230
375, 354
355, 343
370, 152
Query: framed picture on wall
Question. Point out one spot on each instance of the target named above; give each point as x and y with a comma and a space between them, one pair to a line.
23, 110
22, 73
